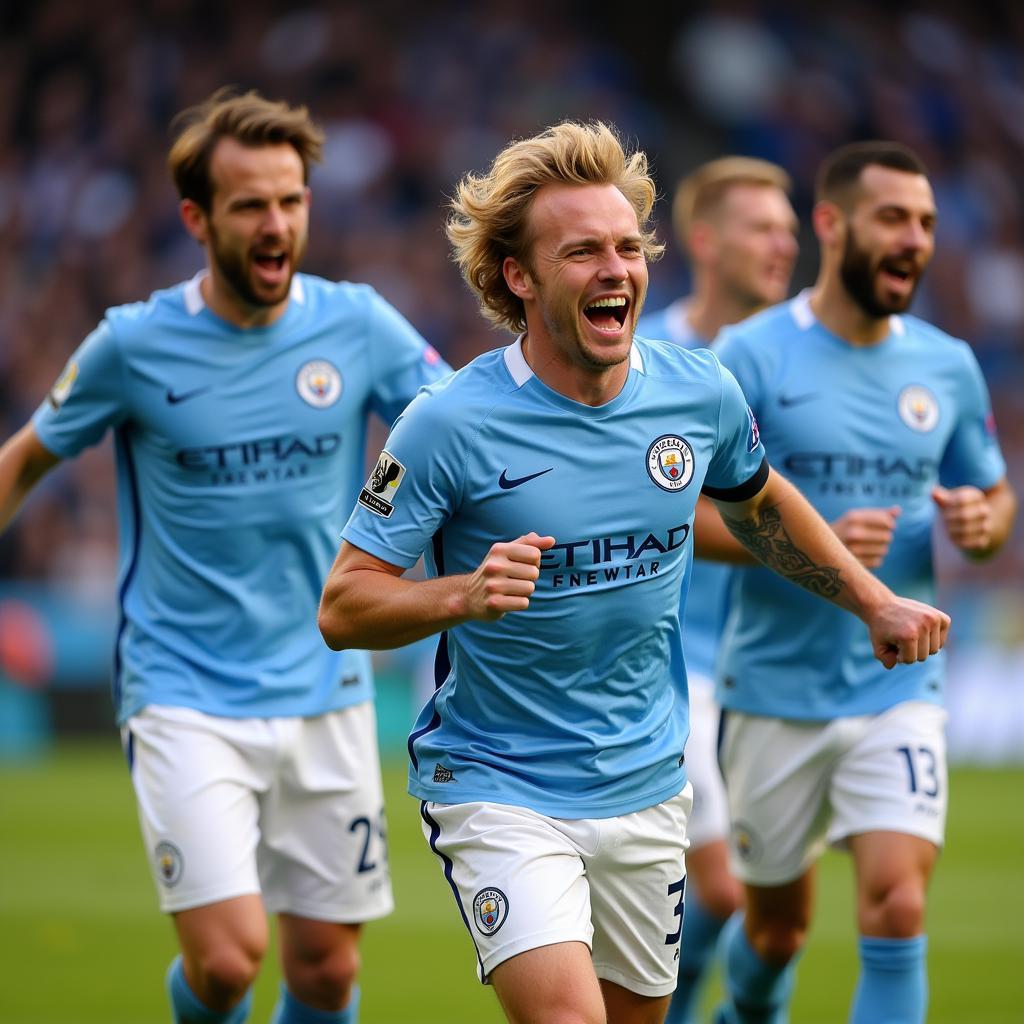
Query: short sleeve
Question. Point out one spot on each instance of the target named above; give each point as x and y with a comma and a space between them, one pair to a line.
739, 467
972, 455
744, 362
403, 361
87, 398
413, 488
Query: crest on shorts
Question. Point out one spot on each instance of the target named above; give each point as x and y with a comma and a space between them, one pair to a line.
746, 842
918, 408
318, 382
490, 908
670, 462
169, 863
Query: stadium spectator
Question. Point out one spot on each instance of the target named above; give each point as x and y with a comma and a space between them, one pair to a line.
885, 424
549, 761
734, 221
239, 402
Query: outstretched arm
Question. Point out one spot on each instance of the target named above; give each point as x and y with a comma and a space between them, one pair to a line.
24, 460
366, 602
784, 532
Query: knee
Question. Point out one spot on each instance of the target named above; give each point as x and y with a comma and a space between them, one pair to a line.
778, 942
326, 979
226, 973
898, 912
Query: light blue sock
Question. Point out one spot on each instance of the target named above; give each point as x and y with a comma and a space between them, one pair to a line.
290, 1011
893, 983
700, 935
756, 992
187, 1009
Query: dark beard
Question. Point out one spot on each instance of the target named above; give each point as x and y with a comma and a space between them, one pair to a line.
858, 277
234, 270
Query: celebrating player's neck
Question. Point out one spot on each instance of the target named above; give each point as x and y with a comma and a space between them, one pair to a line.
837, 310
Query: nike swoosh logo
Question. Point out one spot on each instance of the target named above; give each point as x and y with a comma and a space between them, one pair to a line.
506, 485
173, 398
787, 400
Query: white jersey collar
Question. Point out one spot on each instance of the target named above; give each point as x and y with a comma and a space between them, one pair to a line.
520, 370
804, 317
194, 302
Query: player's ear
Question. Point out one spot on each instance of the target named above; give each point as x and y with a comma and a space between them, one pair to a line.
195, 219
829, 223
702, 241
517, 277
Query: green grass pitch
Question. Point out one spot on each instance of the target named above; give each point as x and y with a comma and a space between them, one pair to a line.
81, 940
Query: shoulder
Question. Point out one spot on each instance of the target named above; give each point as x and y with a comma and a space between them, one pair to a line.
135, 321
662, 359
771, 326
938, 344
463, 399
343, 297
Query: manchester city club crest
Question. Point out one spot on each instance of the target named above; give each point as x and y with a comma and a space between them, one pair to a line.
490, 908
746, 842
318, 382
918, 408
169, 863
670, 462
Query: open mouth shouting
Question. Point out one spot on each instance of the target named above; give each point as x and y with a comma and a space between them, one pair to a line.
608, 314
899, 274
272, 266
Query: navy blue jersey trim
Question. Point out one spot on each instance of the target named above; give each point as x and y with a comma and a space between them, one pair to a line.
720, 739
442, 662
745, 490
435, 721
124, 450
449, 868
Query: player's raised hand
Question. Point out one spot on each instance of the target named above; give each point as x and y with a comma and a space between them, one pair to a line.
867, 533
904, 631
967, 514
505, 580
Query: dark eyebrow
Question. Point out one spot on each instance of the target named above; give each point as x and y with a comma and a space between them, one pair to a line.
898, 208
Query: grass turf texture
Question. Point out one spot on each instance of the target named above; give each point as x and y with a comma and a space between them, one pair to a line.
81, 940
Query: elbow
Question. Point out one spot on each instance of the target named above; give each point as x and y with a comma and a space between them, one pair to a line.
331, 623
333, 636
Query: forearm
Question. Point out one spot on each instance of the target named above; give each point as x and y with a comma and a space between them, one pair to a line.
783, 531
23, 461
374, 610
713, 541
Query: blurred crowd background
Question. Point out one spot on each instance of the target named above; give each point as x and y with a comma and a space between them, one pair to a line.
413, 95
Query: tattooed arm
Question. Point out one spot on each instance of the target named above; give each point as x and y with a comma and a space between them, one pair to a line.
785, 533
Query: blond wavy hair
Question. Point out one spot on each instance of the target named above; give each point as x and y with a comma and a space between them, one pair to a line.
249, 119
489, 213
700, 194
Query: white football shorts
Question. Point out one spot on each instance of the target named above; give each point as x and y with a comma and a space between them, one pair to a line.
523, 880
289, 808
794, 785
709, 821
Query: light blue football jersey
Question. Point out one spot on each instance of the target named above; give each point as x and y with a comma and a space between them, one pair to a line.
852, 427
566, 708
239, 457
707, 602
